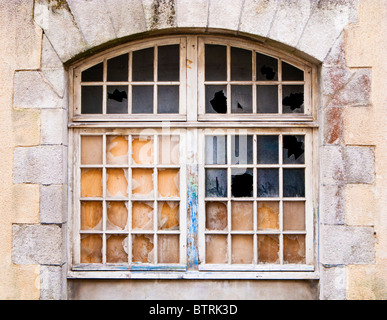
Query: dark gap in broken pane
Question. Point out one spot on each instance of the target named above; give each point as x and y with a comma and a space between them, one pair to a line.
291, 73
241, 64
142, 99
294, 182
293, 99
91, 99
267, 68
216, 182
142, 65
215, 62
242, 182
241, 99
169, 63
168, 99
117, 68
216, 99
216, 150
267, 99
293, 150
117, 99
267, 182
267, 149
241, 149
94, 73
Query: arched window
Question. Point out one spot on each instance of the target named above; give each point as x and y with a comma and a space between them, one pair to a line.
192, 153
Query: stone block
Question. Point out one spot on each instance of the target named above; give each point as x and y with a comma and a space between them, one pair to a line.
57, 79
159, 14
360, 208
337, 54
191, 13
333, 283
332, 204
334, 79
53, 282
54, 126
26, 127
333, 125
332, 165
53, 204
224, 14
359, 164
50, 58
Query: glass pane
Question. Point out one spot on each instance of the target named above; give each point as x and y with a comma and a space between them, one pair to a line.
241, 149
168, 215
241, 99
216, 215
94, 73
91, 183
117, 149
168, 99
293, 99
142, 248
216, 249
168, 63
267, 99
242, 248
168, 182
117, 215
242, 182
294, 215
91, 100
267, 68
216, 182
142, 99
91, 147
91, 248
267, 149
216, 99
291, 73
168, 248
294, 182
215, 62
241, 64
268, 183
294, 249
116, 249
142, 182
91, 215
117, 68
216, 150
293, 150
169, 152
142, 215
268, 215
268, 248
117, 99
142, 65
116, 183
242, 215
142, 150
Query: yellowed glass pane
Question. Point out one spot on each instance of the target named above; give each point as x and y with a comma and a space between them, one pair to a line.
117, 215
116, 183
168, 215
216, 249
116, 150
294, 249
242, 248
168, 183
142, 248
294, 215
142, 182
268, 248
91, 149
91, 183
268, 215
142, 215
216, 215
91, 248
142, 150
168, 248
91, 215
169, 149
242, 215
116, 249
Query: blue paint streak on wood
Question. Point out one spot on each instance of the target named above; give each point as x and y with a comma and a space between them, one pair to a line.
192, 236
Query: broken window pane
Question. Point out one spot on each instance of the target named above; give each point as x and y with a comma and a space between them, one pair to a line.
216, 182
168, 182
91, 97
292, 99
241, 64
291, 73
117, 215
242, 248
294, 248
168, 99
116, 183
241, 99
116, 249
142, 65
91, 149
117, 149
267, 99
142, 183
293, 150
91, 248
142, 215
169, 63
168, 248
267, 149
268, 248
215, 62
142, 248
94, 73
294, 215
242, 215
294, 182
216, 249
216, 99
117, 99
117, 68
242, 182
268, 215
216, 150
142, 150
91, 215
241, 149
169, 152
267, 183
216, 215
91, 183
267, 68
142, 99
168, 215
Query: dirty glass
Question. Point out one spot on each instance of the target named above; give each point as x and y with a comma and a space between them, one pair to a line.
116, 249
293, 99
216, 249
91, 182
142, 248
294, 215
142, 182
91, 97
168, 63
216, 150
142, 150
241, 149
267, 99
91, 248
242, 249
242, 182
116, 183
216, 182
267, 68
169, 149
91, 149
142, 99
294, 249
117, 150
241, 64
293, 149
241, 99
168, 183
216, 215
267, 182
168, 248
91, 215
142, 215
268, 248
291, 73
168, 99
216, 99
94, 73
117, 68
142, 65
215, 62
168, 215
294, 182
267, 149
117, 99
117, 215
268, 215
242, 215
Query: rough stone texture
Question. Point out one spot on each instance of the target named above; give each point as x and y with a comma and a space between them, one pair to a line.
51, 286
333, 125
191, 13
49, 57
224, 14
332, 205
159, 14
54, 126
334, 279
360, 164
331, 160
53, 204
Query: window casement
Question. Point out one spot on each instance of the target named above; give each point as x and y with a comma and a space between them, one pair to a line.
193, 157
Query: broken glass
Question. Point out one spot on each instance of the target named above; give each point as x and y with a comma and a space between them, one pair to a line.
91, 248
267, 182
168, 99
241, 149
216, 215
216, 99
267, 68
293, 99
293, 150
168, 215
168, 183
241, 99
294, 182
117, 215
291, 73
117, 149
116, 249
268, 215
91, 149
241, 64
216, 182
242, 215
168, 248
267, 99
142, 215
142, 65
215, 62
216, 150
94, 73
267, 149
242, 249
242, 182
117, 68
142, 182
294, 249
169, 63
91, 183
142, 150
91, 215
294, 215
142, 99
117, 99
116, 183
268, 248
91, 100
142, 248
216, 249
